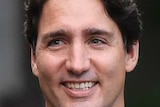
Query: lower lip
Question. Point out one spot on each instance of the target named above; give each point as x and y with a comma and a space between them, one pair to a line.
80, 93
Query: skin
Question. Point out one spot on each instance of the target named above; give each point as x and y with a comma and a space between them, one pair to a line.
81, 43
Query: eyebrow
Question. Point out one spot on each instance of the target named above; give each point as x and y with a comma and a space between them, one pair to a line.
86, 32
52, 34
56, 33
96, 31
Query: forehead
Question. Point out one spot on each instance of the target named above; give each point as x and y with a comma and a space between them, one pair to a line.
72, 7
57, 4
74, 14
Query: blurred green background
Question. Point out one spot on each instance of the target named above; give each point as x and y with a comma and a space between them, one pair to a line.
19, 88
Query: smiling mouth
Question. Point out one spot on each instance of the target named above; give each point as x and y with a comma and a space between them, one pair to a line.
79, 85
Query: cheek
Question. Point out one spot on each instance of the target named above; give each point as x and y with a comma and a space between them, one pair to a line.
49, 67
110, 66
111, 72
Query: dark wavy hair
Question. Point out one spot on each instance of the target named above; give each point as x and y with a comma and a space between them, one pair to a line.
124, 12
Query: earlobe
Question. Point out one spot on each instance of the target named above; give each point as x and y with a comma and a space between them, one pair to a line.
132, 57
34, 64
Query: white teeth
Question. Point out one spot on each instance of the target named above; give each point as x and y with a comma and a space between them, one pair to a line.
76, 85
86, 84
80, 86
90, 84
72, 85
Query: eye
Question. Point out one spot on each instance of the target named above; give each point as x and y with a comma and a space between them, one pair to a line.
97, 41
56, 42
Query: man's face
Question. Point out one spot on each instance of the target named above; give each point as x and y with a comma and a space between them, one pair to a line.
80, 58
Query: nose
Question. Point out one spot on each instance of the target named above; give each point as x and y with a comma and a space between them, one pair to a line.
78, 60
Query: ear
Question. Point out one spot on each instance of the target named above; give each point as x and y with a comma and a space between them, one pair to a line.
132, 57
34, 63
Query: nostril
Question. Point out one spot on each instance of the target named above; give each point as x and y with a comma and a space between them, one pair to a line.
76, 73
78, 61
77, 68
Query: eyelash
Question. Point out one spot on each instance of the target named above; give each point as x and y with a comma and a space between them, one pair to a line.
92, 41
55, 42
97, 41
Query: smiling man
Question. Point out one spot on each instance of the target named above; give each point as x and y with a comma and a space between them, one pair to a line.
82, 49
